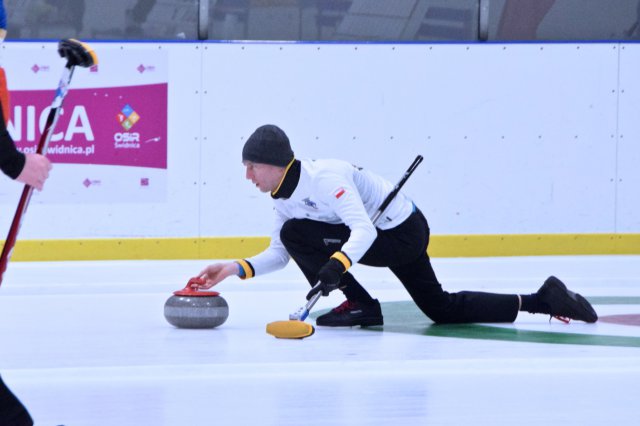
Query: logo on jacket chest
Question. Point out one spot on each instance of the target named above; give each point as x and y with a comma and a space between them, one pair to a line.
307, 202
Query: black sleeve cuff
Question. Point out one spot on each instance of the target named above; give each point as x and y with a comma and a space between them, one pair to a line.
12, 162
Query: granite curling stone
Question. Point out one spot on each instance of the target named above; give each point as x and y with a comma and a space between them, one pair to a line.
193, 308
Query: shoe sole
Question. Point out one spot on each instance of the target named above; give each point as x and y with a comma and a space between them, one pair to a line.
362, 322
557, 290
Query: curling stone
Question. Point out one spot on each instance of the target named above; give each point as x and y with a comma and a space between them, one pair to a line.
193, 308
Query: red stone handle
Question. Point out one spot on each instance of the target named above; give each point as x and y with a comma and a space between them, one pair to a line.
191, 289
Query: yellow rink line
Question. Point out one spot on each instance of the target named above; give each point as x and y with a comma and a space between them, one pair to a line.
240, 247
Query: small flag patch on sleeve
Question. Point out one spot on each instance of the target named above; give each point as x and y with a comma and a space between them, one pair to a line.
339, 192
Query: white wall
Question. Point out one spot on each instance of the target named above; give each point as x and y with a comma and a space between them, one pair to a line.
517, 138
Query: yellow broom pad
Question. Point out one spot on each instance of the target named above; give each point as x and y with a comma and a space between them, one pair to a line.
290, 329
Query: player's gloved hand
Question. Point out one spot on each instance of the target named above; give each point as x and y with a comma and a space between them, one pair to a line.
328, 278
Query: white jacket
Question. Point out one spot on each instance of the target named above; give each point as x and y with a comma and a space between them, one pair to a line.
335, 192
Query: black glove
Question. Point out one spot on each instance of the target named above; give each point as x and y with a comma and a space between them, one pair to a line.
328, 278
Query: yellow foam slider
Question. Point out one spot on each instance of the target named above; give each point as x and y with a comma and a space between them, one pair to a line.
292, 329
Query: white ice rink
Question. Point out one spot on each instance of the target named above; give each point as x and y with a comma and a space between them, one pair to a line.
86, 344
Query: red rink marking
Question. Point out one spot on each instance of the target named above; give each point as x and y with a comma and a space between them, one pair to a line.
623, 319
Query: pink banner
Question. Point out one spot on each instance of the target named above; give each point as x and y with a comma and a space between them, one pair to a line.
118, 126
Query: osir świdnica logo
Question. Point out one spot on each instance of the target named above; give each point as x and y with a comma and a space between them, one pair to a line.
127, 118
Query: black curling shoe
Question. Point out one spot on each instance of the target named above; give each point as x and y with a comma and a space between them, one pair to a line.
350, 314
565, 304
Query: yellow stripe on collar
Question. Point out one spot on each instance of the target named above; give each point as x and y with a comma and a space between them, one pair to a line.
275, 191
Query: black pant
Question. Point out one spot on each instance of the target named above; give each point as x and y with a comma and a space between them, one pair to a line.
12, 412
402, 249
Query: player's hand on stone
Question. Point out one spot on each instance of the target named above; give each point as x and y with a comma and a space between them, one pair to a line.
217, 272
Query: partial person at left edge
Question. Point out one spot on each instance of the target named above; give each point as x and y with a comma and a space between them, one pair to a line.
31, 169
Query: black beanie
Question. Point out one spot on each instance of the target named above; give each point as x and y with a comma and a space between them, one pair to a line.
268, 145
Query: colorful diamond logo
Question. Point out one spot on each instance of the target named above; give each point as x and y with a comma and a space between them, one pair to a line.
127, 117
